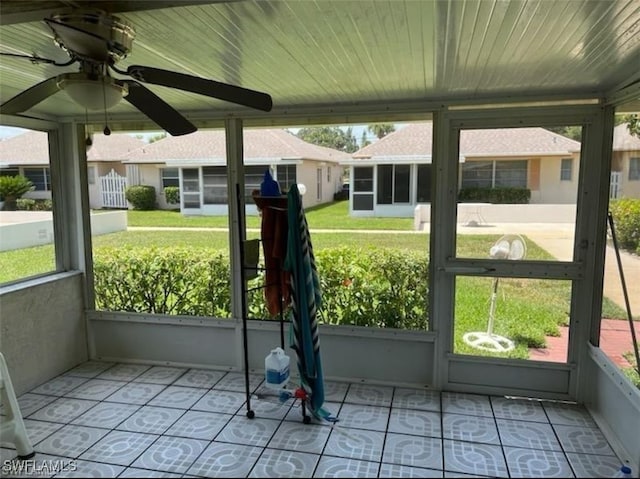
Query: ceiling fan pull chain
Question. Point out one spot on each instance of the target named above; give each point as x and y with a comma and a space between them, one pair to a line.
88, 141
106, 130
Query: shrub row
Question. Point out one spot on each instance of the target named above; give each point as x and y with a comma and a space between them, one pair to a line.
29, 204
383, 288
495, 195
626, 218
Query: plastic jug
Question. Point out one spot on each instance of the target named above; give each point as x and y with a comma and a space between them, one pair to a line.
276, 367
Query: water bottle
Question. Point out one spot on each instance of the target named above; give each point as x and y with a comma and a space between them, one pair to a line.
276, 367
624, 471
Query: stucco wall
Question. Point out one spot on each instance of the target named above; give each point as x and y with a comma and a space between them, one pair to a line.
43, 331
552, 190
630, 189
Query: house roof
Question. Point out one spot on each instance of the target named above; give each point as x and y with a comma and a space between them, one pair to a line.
259, 144
623, 140
415, 140
32, 148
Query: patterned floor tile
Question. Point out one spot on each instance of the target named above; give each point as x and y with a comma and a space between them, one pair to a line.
151, 420
135, 472
369, 394
178, 396
136, 393
119, 447
160, 375
275, 463
415, 451
63, 410
364, 417
591, 465
236, 382
470, 428
42, 465
249, 432
300, 437
268, 407
295, 412
335, 391
90, 369
471, 458
200, 378
584, 440
30, 403
227, 402
95, 389
568, 414
171, 454
92, 469
471, 404
355, 444
422, 399
518, 409
199, 425
70, 441
225, 460
106, 415
342, 467
36, 432
59, 386
414, 421
124, 372
396, 470
527, 434
536, 463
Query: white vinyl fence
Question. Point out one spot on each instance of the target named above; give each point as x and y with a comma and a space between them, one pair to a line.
112, 188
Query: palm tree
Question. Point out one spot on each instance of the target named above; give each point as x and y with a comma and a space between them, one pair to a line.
381, 129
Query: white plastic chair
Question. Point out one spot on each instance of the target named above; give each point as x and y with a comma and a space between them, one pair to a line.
12, 426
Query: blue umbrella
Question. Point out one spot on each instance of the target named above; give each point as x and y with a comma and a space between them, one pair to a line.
306, 298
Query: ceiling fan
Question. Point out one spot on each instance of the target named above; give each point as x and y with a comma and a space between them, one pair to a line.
97, 41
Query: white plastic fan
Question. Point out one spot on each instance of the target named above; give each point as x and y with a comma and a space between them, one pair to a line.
511, 247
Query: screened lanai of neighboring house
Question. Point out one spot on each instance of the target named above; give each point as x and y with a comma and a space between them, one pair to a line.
464, 66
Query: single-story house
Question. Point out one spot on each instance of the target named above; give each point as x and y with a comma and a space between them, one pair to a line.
197, 164
27, 154
391, 176
625, 164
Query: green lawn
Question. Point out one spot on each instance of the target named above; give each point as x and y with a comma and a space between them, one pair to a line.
329, 216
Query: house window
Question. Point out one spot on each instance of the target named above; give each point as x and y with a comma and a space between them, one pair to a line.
328, 174
363, 188
319, 184
286, 175
91, 175
494, 174
214, 179
477, 174
9, 172
191, 187
169, 177
40, 177
566, 167
634, 169
424, 183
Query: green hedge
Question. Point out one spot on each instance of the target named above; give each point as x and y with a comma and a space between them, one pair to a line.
142, 197
626, 218
495, 195
172, 194
379, 287
29, 204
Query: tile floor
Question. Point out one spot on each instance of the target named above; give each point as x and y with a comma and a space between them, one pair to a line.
130, 420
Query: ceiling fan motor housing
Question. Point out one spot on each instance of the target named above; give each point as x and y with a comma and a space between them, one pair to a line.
93, 35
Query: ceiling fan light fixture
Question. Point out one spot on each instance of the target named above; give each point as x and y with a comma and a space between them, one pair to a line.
93, 94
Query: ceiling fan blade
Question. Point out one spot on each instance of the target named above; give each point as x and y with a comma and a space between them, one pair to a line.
211, 88
30, 97
157, 109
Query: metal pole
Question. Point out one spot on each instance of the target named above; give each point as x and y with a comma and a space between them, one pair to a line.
624, 291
